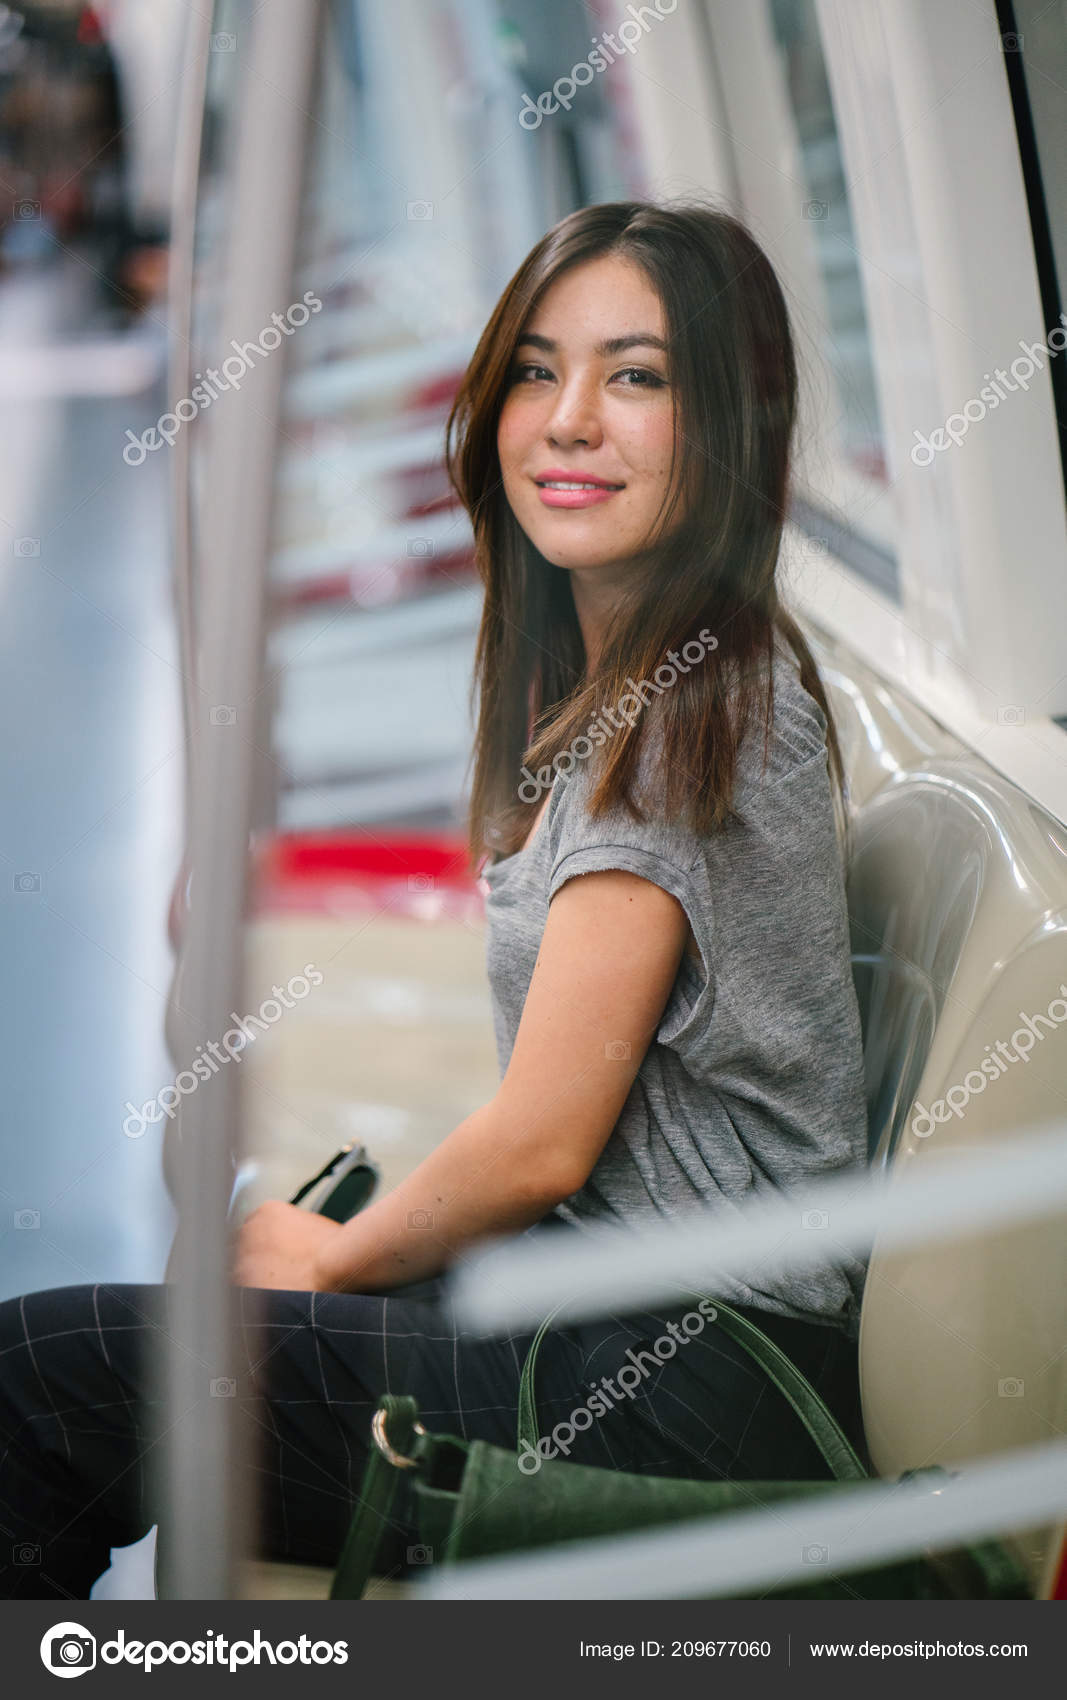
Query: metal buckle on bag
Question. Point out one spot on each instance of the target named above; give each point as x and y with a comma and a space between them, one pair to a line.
378, 1435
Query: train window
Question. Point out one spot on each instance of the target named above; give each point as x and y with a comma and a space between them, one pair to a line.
864, 535
1035, 57
847, 346
792, 185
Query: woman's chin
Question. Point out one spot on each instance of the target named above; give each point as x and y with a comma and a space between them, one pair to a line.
580, 553
574, 562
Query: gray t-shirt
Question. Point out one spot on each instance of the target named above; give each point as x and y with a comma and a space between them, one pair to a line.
754, 1081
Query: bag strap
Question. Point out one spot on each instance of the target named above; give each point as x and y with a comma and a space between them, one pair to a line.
394, 1428
813, 1412
821, 1424
528, 1426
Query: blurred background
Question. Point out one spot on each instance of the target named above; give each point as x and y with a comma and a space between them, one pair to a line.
442, 138
89, 681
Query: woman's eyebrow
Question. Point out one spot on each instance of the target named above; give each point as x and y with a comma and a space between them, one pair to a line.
640, 339
613, 345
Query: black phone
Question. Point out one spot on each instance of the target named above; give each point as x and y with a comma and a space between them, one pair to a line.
342, 1186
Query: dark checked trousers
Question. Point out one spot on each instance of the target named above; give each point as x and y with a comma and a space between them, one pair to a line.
81, 1420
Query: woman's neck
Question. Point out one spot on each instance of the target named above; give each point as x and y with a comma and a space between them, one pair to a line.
597, 593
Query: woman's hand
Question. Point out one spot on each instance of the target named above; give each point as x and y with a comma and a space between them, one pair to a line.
279, 1245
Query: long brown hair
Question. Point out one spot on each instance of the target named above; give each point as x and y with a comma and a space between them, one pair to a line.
733, 374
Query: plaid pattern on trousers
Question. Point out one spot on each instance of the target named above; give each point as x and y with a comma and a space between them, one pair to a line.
81, 1421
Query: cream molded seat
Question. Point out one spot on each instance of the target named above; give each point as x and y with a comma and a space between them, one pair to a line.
957, 892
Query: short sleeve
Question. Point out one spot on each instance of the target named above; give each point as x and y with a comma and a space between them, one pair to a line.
665, 852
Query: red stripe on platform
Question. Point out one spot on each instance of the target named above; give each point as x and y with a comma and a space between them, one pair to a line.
421, 875
306, 855
413, 576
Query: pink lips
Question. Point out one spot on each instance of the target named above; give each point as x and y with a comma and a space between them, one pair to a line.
590, 490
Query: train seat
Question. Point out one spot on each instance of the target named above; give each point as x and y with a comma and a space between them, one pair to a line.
957, 896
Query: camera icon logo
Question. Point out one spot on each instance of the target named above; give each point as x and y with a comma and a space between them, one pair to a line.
420, 547
25, 1552
1010, 1387
420, 209
26, 882
27, 209
223, 1387
68, 1649
815, 1554
420, 1555
27, 546
1012, 714
617, 1050
223, 714
420, 882
224, 42
421, 1219
27, 1218
816, 209
815, 1218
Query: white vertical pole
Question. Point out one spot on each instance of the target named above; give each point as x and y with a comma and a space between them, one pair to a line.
201, 1541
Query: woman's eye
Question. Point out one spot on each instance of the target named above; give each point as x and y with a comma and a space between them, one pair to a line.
639, 377
630, 377
528, 373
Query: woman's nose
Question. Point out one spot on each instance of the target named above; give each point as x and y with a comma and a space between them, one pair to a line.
575, 418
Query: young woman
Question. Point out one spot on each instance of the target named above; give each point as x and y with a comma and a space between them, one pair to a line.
668, 949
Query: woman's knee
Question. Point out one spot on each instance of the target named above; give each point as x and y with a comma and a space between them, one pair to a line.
76, 1356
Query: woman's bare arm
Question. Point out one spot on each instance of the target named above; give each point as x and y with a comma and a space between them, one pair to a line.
608, 959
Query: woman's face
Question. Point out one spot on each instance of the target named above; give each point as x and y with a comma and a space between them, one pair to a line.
587, 429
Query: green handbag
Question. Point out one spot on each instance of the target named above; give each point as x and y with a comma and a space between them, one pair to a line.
472, 1500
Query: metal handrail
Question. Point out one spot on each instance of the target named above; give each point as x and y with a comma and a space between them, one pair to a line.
606, 1269
855, 1528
